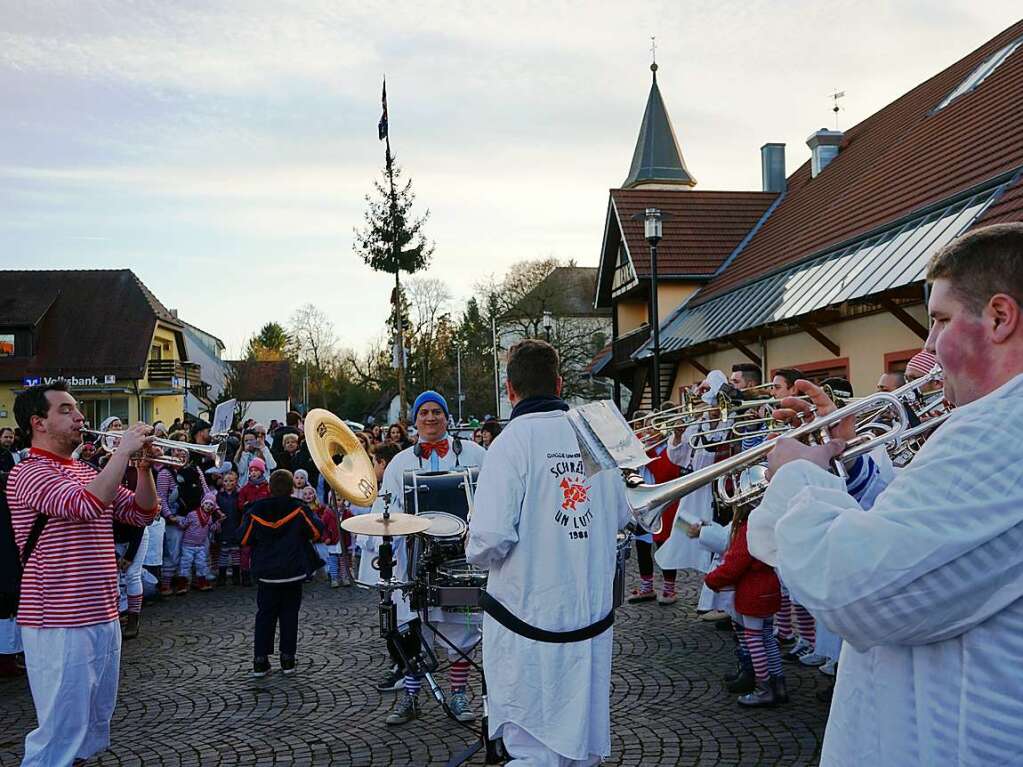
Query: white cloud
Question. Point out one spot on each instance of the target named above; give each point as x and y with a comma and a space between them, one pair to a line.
236, 141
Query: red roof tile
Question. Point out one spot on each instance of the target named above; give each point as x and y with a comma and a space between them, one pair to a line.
899, 160
1008, 208
702, 231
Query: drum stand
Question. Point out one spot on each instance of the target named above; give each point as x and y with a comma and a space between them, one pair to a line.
493, 748
423, 660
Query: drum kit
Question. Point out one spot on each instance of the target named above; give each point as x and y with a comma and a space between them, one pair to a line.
439, 506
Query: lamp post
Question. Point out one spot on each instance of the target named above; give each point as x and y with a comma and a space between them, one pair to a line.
548, 323
652, 232
458, 353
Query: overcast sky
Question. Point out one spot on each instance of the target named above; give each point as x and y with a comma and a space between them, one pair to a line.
222, 150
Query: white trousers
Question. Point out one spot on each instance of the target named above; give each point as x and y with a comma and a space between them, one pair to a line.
73, 675
129, 582
527, 751
464, 636
10, 637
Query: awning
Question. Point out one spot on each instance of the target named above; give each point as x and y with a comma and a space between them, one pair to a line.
881, 262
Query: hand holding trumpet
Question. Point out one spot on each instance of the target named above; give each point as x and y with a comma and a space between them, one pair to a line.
796, 411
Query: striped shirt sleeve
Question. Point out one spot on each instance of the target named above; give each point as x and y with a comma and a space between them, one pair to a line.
164, 484
48, 491
128, 511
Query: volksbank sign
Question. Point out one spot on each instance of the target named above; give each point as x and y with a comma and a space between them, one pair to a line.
71, 380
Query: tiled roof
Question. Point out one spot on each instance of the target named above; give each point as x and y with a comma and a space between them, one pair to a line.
703, 228
1008, 208
87, 322
902, 159
261, 381
892, 260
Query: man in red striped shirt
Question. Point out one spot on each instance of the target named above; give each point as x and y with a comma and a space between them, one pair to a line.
68, 608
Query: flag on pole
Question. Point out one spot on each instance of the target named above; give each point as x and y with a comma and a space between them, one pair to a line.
382, 125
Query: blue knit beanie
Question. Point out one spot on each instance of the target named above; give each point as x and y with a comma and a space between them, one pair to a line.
429, 396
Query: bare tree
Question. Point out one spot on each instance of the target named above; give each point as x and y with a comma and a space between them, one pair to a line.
314, 341
429, 308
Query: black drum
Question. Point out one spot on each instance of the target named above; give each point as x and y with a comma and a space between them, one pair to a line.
438, 567
448, 491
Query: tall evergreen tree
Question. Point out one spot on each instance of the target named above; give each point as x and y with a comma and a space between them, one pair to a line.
394, 241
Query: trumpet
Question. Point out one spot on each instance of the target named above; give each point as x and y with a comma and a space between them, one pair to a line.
643, 496
216, 453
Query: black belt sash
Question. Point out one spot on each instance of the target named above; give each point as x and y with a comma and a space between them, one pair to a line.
502, 615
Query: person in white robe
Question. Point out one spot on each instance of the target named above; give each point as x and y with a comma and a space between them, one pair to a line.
547, 534
926, 588
435, 451
681, 552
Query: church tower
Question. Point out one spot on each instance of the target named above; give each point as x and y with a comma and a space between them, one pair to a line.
657, 162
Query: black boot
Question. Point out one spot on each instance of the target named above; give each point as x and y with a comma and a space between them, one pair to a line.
781, 694
732, 675
222, 576
744, 683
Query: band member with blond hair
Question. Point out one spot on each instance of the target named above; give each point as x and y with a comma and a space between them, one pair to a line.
925, 587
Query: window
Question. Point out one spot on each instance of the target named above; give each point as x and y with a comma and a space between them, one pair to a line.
6, 344
155, 352
895, 362
978, 75
95, 410
818, 371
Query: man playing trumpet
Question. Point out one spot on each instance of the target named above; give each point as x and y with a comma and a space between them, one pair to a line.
926, 588
68, 607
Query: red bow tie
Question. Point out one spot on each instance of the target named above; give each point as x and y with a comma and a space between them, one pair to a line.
428, 447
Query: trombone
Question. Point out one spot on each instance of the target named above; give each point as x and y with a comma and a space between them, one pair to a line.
643, 496
216, 453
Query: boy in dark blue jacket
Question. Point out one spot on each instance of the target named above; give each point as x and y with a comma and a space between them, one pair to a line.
230, 530
280, 529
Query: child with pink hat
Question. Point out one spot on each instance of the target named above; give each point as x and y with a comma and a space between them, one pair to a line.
197, 528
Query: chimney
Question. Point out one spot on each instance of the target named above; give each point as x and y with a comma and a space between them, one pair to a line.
823, 149
772, 167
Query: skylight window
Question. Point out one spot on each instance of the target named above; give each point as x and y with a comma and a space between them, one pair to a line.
978, 75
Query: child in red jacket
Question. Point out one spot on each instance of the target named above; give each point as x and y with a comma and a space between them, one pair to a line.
254, 490
757, 599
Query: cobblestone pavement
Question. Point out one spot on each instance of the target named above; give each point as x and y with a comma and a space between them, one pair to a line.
186, 698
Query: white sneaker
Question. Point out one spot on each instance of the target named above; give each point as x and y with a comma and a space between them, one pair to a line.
813, 659
798, 650
830, 668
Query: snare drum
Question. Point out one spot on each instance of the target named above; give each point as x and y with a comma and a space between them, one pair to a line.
443, 542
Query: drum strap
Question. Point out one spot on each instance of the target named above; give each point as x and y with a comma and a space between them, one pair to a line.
502, 615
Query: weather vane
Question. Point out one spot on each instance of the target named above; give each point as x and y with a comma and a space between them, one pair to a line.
836, 108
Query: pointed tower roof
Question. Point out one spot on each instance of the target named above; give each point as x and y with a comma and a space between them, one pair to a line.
657, 159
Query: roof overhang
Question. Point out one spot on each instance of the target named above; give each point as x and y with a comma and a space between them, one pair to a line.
876, 264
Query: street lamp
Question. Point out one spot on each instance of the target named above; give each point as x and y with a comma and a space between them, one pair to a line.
652, 232
548, 323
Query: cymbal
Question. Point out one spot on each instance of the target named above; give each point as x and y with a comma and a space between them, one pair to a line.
375, 524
